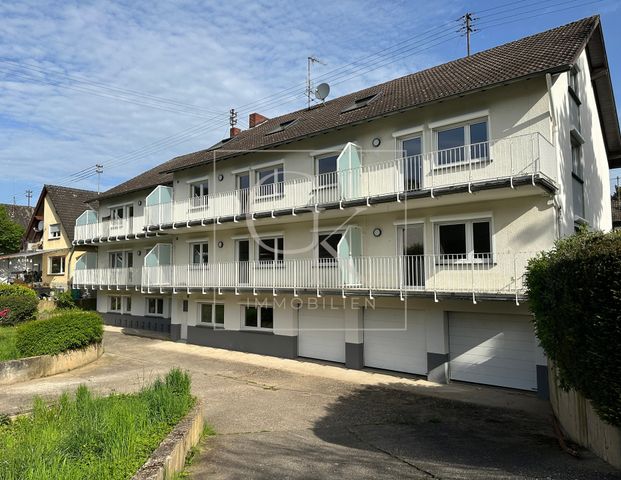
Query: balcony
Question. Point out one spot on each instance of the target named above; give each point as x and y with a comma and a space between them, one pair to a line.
110, 230
505, 162
481, 275
108, 278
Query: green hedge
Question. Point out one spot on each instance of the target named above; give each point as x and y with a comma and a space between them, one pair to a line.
65, 300
66, 330
17, 304
575, 294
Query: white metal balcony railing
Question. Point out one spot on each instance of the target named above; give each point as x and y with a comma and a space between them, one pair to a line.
108, 277
110, 228
498, 273
520, 156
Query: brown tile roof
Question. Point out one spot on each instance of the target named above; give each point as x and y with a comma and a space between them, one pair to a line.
69, 203
551, 51
20, 214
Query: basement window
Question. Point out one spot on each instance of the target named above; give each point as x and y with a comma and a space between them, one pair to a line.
282, 126
360, 103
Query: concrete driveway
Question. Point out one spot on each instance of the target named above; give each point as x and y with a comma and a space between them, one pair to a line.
285, 419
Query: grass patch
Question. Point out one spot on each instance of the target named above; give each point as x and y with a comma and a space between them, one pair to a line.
93, 437
8, 343
208, 431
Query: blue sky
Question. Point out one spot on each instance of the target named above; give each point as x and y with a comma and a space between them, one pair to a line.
133, 84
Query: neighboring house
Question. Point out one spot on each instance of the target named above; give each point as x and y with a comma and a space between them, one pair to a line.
20, 214
387, 228
48, 255
616, 214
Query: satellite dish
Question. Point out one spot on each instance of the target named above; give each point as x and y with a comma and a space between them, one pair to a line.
40, 226
322, 91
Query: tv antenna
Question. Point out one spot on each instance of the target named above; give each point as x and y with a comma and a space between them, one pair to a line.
309, 82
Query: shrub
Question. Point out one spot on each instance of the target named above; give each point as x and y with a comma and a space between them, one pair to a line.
65, 300
17, 304
66, 330
575, 293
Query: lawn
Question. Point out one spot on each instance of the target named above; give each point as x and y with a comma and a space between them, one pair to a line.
8, 348
86, 436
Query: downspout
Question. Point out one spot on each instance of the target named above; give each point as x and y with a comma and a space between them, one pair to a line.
68, 266
554, 136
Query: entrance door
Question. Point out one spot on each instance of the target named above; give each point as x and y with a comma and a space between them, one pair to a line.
243, 184
243, 257
413, 163
412, 249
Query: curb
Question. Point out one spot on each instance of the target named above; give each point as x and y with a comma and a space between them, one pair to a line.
30, 368
169, 457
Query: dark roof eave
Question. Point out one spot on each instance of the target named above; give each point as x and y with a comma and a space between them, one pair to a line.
552, 71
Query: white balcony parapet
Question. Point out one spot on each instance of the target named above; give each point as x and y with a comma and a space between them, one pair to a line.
108, 278
508, 159
492, 274
109, 229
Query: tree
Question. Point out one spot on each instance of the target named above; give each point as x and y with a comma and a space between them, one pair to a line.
11, 233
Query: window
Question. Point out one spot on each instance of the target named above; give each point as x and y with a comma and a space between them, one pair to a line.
258, 317
200, 253
54, 231
115, 304
574, 80
199, 192
282, 126
56, 265
211, 314
185, 306
117, 213
120, 304
360, 103
328, 247
271, 249
452, 142
155, 306
270, 181
577, 180
464, 240
326, 170
121, 259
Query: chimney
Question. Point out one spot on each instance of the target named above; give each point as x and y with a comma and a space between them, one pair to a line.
234, 131
255, 119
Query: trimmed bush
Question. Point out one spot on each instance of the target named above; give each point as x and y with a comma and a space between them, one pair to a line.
17, 304
65, 330
575, 293
65, 300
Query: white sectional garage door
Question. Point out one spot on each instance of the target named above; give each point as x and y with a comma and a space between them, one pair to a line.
322, 334
492, 349
392, 343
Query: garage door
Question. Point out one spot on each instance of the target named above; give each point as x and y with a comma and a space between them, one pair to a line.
322, 334
493, 349
392, 343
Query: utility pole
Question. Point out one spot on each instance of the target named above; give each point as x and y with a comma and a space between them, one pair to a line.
309, 82
468, 28
28, 196
98, 171
232, 118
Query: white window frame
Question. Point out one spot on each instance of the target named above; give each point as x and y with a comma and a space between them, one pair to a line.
212, 323
469, 255
124, 257
201, 244
54, 234
201, 200
156, 314
62, 265
278, 191
262, 238
326, 262
122, 304
115, 221
316, 160
467, 142
258, 327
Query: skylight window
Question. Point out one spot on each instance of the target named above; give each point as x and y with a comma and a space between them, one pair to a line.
282, 126
360, 103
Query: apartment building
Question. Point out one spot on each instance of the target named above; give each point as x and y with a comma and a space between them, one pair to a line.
388, 228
